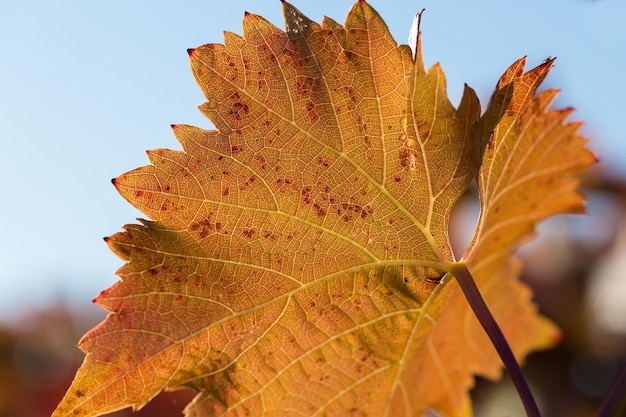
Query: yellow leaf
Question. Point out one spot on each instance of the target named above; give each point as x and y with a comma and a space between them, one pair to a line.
291, 262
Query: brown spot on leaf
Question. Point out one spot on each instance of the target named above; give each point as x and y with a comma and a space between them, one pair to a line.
325, 162
319, 210
249, 233
366, 211
261, 83
236, 149
260, 159
306, 195
270, 235
204, 226
310, 108
304, 86
290, 51
408, 158
247, 183
238, 109
349, 211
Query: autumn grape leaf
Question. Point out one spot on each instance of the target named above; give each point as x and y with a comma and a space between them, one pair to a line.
292, 259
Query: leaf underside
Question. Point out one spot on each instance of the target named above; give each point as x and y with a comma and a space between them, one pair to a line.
291, 259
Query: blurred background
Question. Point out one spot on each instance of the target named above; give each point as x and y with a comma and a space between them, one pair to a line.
87, 87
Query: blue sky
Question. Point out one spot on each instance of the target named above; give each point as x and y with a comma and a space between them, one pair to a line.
87, 86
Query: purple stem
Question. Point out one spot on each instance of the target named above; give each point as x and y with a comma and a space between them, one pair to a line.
615, 401
484, 316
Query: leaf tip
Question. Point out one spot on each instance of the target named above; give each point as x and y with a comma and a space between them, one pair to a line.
594, 158
98, 299
295, 21
190, 51
415, 39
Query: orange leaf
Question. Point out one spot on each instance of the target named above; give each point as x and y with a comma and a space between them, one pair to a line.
291, 262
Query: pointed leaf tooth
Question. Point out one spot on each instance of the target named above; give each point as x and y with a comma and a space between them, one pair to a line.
515, 70
296, 23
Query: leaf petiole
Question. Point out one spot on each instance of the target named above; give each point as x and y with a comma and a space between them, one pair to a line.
483, 314
615, 401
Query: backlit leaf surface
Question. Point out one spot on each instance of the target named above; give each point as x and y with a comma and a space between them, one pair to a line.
290, 262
